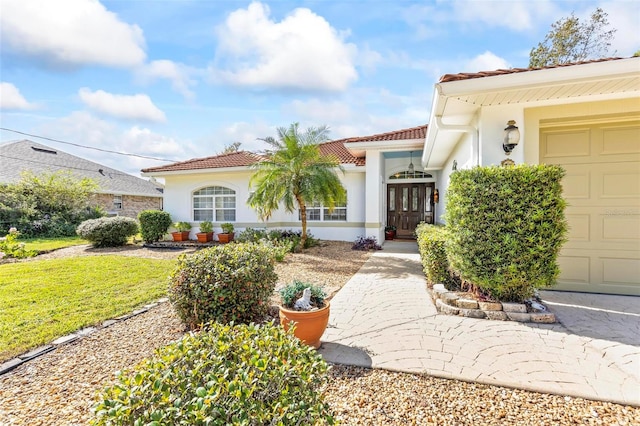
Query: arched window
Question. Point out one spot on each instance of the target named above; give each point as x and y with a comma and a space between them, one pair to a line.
410, 175
214, 203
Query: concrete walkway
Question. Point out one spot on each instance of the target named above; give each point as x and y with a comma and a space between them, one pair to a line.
384, 318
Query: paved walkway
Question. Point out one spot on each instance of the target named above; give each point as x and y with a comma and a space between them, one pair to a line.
384, 318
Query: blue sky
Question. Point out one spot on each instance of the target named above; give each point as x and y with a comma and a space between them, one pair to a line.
179, 79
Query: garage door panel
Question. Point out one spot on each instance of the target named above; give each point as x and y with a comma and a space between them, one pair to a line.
620, 140
575, 269
560, 145
579, 227
621, 228
576, 184
619, 270
618, 180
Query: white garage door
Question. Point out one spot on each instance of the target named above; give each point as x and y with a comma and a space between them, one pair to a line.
602, 189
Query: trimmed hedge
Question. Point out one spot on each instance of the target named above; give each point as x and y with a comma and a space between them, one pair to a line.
432, 241
108, 231
227, 374
231, 282
154, 224
506, 227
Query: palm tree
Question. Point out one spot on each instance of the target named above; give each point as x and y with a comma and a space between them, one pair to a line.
296, 173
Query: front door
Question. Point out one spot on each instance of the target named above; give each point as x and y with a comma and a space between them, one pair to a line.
408, 204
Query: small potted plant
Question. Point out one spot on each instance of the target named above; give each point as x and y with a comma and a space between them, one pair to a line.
182, 233
304, 306
206, 232
227, 233
389, 232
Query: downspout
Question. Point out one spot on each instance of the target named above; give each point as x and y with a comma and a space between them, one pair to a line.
475, 140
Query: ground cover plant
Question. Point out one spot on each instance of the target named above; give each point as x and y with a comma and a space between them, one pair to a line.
227, 374
506, 226
43, 300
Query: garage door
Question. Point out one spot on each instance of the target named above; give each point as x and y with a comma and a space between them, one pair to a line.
602, 189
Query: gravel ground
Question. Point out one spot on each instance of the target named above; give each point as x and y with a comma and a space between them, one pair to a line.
59, 388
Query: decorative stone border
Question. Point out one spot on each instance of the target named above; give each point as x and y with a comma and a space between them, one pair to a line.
448, 302
9, 365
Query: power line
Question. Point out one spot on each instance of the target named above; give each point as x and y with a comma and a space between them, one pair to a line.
88, 147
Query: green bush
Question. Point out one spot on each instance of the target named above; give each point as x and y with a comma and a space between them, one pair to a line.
506, 227
281, 237
223, 283
227, 374
154, 224
432, 246
108, 231
10, 247
293, 291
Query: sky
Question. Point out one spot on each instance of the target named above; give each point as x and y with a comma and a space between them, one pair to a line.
181, 79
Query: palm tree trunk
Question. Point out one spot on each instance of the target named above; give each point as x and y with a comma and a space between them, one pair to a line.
303, 218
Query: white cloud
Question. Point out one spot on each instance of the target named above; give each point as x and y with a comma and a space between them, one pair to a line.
11, 98
83, 128
71, 33
178, 74
130, 107
320, 112
302, 51
486, 61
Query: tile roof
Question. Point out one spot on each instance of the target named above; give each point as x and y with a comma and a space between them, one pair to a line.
233, 159
26, 155
468, 76
246, 158
338, 149
418, 132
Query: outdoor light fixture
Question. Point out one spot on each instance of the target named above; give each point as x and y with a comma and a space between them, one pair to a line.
511, 137
411, 168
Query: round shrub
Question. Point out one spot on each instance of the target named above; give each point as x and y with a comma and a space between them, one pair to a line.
223, 283
226, 374
154, 224
108, 231
432, 241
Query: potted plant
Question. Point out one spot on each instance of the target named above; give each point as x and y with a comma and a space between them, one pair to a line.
389, 232
227, 233
182, 233
305, 307
206, 232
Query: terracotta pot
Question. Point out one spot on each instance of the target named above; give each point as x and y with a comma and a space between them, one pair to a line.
389, 235
225, 238
180, 236
204, 237
310, 325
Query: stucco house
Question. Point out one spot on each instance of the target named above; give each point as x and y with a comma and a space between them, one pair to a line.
585, 117
382, 175
119, 193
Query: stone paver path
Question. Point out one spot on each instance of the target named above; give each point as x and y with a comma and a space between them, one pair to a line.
384, 318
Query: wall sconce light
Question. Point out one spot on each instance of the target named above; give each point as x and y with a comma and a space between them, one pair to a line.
436, 196
411, 168
511, 137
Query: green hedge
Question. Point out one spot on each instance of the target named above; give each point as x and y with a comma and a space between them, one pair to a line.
432, 241
506, 226
231, 282
108, 231
154, 224
240, 375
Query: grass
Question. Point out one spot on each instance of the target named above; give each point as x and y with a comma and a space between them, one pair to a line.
43, 300
48, 244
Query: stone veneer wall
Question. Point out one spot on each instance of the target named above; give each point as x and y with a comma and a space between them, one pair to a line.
131, 204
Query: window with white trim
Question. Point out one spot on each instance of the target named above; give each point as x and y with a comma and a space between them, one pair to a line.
117, 202
317, 212
214, 203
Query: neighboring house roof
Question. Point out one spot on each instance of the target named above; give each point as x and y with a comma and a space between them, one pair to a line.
25, 155
470, 75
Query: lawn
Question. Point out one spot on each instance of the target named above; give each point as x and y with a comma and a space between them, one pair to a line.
43, 300
48, 244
